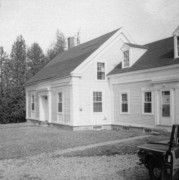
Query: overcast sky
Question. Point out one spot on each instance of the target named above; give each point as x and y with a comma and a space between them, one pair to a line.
38, 20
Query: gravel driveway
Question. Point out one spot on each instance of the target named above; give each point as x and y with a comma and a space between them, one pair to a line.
46, 167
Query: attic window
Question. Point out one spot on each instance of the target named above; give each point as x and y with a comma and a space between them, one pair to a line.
126, 58
100, 71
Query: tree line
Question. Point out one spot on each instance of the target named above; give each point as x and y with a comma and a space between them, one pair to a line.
16, 68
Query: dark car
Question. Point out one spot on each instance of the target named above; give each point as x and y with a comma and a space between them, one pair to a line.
162, 158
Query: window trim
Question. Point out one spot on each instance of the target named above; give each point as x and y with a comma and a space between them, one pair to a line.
152, 102
128, 96
98, 71
62, 102
33, 95
125, 58
101, 102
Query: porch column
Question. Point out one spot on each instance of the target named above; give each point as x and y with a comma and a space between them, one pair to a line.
173, 106
75, 116
49, 105
27, 107
157, 107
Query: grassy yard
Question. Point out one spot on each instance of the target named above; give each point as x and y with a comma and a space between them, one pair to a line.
20, 140
129, 147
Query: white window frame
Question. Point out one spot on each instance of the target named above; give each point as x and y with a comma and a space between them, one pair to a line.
128, 101
125, 53
143, 102
102, 101
33, 102
101, 71
62, 102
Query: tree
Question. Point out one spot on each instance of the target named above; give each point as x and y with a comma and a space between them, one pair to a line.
5, 78
58, 46
35, 59
17, 90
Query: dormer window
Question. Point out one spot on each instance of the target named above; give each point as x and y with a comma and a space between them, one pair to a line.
126, 58
101, 71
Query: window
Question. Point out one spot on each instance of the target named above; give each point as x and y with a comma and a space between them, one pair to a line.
126, 58
147, 102
33, 102
178, 45
60, 103
166, 103
100, 71
124, 103
97, 101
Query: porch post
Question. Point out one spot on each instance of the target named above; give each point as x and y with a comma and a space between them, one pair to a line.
49, 105
157, 107
27, 107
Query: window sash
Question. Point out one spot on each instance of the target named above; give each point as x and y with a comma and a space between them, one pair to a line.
124, 103
60, 102
148, 102
100, 71
97, 102
33, 102
126, 58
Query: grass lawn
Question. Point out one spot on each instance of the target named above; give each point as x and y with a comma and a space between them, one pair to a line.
21, 140
129, 147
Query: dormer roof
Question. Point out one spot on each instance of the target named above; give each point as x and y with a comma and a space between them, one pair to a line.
127, 46
137, 46
159, 53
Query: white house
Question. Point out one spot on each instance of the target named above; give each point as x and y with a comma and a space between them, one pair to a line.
106, 82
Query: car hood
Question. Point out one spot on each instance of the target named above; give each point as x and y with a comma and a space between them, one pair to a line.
160, 146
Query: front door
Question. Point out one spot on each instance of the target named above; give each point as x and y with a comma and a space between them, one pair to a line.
165, 108
44, 108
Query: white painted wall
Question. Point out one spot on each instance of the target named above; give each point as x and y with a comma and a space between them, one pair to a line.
111, 55
49, 88
166, 78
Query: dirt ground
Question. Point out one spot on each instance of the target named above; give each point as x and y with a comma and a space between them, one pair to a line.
29, 153
118, 167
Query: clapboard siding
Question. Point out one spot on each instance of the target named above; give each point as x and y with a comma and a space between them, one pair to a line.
36, 104
135, 115
54, 106
29, 104
66, 104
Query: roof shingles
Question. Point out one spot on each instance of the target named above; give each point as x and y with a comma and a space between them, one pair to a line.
158, 54
64, 63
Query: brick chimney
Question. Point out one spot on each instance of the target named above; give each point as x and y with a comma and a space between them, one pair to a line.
71, 42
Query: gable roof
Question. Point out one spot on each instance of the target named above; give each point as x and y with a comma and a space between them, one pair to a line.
137, 46
159, 53
64, 63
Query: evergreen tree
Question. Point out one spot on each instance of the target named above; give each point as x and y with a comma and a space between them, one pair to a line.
17, 90
35, 59
5, 78
58, 46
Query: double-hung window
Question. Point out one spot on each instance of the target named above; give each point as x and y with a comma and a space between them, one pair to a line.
126, 58
100, 71
60, 102
124, 103
33, 102
97, 101
147, 102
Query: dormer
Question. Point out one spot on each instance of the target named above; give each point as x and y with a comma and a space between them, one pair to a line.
131, 53
176, 42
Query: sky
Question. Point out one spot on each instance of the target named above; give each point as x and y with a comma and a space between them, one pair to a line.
38, 20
